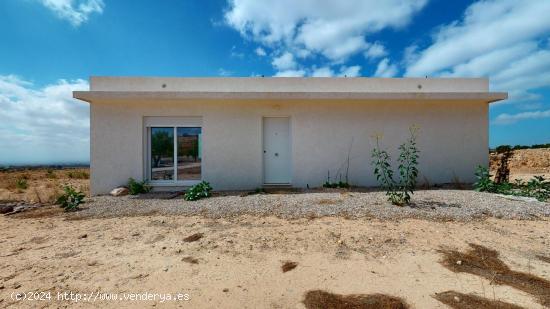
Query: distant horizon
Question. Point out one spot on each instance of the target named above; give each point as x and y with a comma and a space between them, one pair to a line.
46, 164
87, 163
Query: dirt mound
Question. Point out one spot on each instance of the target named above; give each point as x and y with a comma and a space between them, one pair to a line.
193, 237
523, 162
288, 266
469, 301
318, 299
485, 263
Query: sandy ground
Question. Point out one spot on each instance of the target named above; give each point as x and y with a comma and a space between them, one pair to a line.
237, 263
239, 259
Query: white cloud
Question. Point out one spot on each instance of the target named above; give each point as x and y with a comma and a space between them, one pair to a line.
290, 73
344, 71
504, 40
260, 52
42, 125
235, 53
284, 62
74, 11
385, 69
352, 71
375, 50
513, 118
335, 30
322, 72
224, 72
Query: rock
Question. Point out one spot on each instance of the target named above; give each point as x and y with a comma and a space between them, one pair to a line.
458, 262
83, 236
4, 209
120, 191
457, 299
519, 198
20, 207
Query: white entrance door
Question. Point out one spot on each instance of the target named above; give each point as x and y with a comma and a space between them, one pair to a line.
276, 143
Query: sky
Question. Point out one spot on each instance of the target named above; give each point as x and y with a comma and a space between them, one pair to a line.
49, 48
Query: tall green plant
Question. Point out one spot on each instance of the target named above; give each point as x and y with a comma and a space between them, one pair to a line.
484, 182
398, 191
70, 199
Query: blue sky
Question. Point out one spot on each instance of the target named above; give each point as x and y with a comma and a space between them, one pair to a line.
50, 47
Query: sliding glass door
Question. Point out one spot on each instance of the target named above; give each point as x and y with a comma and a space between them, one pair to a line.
189, 153
162, 154
174, 154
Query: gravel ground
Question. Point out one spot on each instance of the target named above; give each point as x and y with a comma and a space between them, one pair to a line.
427, 204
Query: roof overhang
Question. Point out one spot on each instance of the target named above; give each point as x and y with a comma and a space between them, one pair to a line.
91, 96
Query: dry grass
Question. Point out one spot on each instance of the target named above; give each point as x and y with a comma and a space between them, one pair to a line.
318, 299
193, 237
288, 266
544, 258
42, 185
78, 174
190, 260
458, 300
457, 183
485, 263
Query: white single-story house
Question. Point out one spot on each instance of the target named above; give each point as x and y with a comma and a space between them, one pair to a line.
245, 133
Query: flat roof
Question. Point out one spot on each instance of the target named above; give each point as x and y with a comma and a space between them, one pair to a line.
298, 88
90, 96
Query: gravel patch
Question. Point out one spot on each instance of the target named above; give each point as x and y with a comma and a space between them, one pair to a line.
445, 204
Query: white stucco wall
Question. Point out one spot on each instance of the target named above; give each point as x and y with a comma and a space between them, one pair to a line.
453, 138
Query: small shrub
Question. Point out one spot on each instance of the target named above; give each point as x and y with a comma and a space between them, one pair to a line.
50, 174
484, 182
503, 148
70, 199
21, 184
340, 184
398, 192
78, 175
137, 187
537, 187
198, 191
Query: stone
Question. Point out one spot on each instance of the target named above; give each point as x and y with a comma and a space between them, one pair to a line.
4, 209
120, 191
